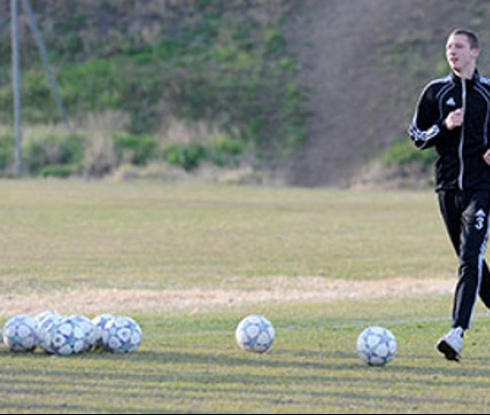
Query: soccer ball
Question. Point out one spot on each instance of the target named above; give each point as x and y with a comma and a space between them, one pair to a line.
121, 334
100, 323
376, 346
20, 333
255, 334
46, 320
67, 337
89, 330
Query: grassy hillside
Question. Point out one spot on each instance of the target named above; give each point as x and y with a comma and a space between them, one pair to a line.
367, 61
415, 56
220, 64
270, 83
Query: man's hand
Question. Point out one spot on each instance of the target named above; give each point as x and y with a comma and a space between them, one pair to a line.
486, 157
454, 119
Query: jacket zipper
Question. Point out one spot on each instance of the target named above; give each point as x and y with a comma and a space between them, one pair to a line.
461, 140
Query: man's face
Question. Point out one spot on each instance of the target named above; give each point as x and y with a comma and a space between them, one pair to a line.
459, 54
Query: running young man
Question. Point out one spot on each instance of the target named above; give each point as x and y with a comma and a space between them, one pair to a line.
453, 115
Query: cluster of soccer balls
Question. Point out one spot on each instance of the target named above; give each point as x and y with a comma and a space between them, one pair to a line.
62, 335
376, 345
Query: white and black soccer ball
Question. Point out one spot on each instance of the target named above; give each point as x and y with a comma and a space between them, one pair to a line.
89, 330
255, 334
122, 335
46, 321
20, 333
100, 321
376, 346
67, 337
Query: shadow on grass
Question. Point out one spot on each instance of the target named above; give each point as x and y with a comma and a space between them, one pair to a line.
159, 393
282, 378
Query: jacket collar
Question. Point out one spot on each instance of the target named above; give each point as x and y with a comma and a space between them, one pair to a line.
474, 80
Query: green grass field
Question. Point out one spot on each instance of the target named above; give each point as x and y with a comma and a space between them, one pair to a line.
81, 237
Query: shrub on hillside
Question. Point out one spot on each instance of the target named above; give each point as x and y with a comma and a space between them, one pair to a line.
403, 152
53, 150
134, 149
6, 151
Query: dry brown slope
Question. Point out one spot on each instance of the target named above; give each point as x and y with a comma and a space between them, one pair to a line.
359, 104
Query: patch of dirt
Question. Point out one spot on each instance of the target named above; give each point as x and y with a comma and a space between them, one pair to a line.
276, 290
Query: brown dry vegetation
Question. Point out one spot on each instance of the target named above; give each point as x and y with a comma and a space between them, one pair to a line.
268, 290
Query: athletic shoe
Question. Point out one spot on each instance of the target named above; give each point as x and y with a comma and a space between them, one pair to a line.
451, 345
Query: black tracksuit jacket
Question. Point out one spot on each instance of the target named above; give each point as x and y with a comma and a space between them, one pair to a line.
460, 163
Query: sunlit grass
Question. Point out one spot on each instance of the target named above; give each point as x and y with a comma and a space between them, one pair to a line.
191, 363
159, 235
73, 234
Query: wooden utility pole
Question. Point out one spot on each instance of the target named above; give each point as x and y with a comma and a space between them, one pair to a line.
16, 76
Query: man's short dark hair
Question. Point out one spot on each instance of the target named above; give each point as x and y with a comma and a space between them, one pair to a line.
470, 35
